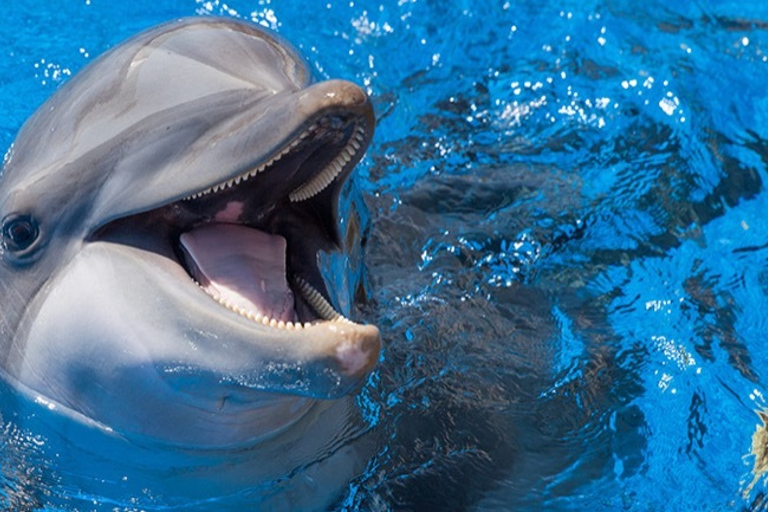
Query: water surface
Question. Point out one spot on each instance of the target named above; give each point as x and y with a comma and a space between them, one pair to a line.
567, 238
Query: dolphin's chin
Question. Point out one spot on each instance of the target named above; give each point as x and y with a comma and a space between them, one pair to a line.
250, 239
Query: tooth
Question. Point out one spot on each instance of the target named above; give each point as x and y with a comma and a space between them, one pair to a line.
323, 308
319, 182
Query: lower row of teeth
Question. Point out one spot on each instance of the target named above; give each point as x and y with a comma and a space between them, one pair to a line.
311, 295
318, 302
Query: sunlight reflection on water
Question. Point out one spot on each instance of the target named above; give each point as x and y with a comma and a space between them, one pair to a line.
567, 245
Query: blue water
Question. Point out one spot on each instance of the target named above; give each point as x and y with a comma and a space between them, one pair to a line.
568, 250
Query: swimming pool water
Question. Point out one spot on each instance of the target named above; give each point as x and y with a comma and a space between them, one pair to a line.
568, 242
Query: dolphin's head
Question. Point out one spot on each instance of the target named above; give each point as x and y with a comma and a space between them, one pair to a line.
162, 216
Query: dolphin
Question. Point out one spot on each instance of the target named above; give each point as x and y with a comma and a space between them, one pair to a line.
163, 215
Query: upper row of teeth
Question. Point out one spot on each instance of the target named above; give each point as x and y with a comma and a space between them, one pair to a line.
313, 186
332, 170
312, 296
253, 172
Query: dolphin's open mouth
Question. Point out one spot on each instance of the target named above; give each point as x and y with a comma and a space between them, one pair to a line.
250, 240
241, 251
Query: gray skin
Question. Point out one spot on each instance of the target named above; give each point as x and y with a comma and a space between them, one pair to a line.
100, 317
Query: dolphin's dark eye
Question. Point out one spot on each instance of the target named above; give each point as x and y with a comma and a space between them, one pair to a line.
19, 232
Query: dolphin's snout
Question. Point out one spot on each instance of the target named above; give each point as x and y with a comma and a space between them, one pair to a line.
354, 348
335, 94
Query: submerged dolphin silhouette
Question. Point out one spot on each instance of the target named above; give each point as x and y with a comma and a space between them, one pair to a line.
162, 215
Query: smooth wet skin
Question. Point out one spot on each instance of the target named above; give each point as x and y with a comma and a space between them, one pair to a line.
101, 314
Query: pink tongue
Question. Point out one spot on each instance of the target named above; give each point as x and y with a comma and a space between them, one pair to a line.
242, 265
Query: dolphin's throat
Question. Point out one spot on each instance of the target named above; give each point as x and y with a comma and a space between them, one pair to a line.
243, 268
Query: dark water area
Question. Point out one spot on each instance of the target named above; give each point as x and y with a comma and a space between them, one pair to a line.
564, 239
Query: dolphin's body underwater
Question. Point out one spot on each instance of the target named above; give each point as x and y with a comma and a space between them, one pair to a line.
162, 215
